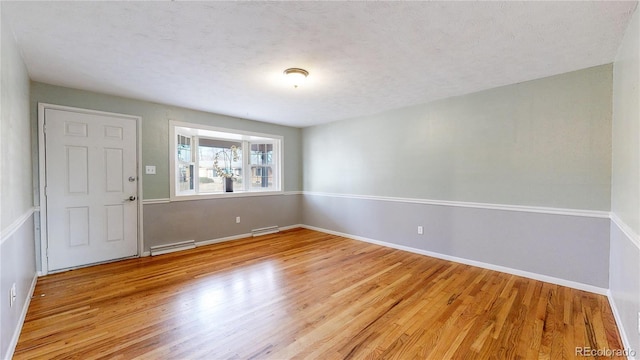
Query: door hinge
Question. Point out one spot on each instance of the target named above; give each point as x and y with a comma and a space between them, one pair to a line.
46, 191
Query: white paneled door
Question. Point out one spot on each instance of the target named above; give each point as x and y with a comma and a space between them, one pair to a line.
91, 188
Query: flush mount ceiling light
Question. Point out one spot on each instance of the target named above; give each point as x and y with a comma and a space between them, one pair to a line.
296, 76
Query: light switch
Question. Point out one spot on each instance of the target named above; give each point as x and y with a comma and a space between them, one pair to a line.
150, 170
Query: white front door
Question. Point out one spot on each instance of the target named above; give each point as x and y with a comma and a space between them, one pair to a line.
91, 188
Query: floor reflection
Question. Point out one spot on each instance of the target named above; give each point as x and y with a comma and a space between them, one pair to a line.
237, 291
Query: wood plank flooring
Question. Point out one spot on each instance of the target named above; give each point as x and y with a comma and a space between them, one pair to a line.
305, 294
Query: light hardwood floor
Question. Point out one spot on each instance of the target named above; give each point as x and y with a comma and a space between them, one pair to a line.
305, 294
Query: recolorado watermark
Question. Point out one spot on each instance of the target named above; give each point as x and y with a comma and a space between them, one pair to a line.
591, 352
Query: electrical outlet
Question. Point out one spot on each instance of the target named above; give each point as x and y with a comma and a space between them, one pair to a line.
150, 169
12, 295
237, 219
420, 230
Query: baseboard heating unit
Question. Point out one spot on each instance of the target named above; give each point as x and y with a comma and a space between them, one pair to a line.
169, 248
265, 231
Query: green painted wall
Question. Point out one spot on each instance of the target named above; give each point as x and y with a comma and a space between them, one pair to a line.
544, 143
17, 244
15, 142
624, 269
625, 189
155, 130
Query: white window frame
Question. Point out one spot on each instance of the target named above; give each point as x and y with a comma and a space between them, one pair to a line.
245, 137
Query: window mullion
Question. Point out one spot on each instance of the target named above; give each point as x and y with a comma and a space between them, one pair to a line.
246, 168
196, 167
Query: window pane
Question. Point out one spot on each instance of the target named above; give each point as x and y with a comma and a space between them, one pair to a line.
208, 179
261, 177
185, 177
184, 149
228, 162
262, 169
261, 154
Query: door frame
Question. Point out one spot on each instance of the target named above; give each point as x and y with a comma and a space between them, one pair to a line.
44, 262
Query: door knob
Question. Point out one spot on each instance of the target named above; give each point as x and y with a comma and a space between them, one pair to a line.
131, 198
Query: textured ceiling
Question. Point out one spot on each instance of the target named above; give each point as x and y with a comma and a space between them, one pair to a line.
363, 57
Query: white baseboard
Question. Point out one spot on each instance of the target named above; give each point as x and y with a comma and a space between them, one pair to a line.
504, 269
23, 316
296, 226
231, 238
242, 236
616, 315
222, 239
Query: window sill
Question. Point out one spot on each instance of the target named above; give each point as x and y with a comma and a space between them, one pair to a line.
235, 194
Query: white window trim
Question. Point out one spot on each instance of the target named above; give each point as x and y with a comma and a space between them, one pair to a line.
243, 136
194, 144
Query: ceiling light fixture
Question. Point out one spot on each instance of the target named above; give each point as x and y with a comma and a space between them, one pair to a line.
296, 76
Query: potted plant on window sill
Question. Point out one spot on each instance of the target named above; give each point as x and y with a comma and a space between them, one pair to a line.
226, 157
